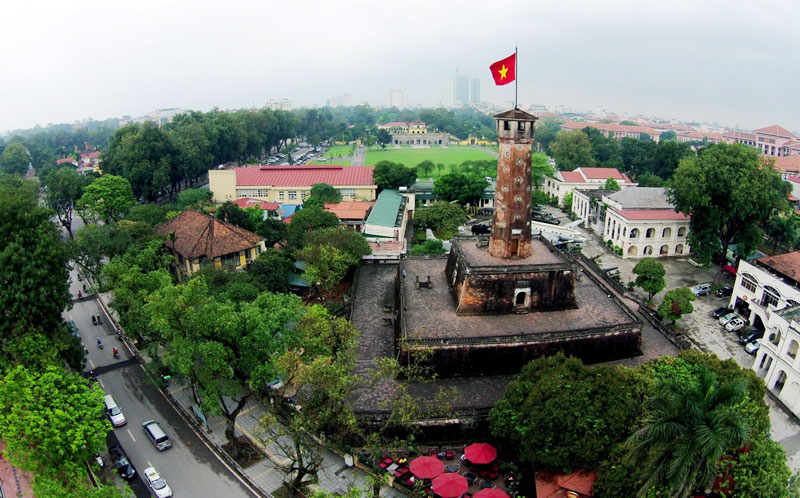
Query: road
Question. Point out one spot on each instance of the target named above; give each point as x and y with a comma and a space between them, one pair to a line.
190, 467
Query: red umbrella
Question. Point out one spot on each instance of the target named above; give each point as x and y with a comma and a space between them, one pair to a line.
480, 453
450, 485
490, 493
426, 467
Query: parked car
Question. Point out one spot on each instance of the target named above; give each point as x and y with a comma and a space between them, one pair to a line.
701, 290
720, 312
157, 483
724, 319
724, 291
737, 323
751, 336
156, 435
752, 347
113, 411
120, 459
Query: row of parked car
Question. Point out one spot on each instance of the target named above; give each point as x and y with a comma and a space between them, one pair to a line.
750, 337
157, 437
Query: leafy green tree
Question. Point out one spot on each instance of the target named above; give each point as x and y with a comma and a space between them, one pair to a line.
688, 428
233, 214
152, 214
546, 133
572, 149
269, 272
538, 198
605, 150
194, 197
15, 159
430, 246
33, 262
628, 122
540, 167
307, 220
50, 420
611, 184
676, 303
351, 242
761, 470
466, 189
440, 216
273, 230
109, 198
559, 416
637, 155
667, 135
649, 180
327, 265
568, 201
389, 175
326, 193
426, 167
650, 276
667, 156
782, 230
729, 192
384, 138
64, 189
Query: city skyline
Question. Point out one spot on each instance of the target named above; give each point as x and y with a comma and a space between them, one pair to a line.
709, 62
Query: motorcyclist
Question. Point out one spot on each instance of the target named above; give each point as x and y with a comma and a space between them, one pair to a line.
99, 343
80, 295
116, 353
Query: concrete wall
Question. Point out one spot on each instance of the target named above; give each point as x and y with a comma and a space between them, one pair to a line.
222, 183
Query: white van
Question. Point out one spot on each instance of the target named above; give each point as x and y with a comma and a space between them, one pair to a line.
113, 412
156, 435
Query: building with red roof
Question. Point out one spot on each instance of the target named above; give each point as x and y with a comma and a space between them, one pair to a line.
271, 209
740, 137
617, 131
351, 214
639, 220
66, 160
564, 182
290, 184
578, 484
770, 140
698, 136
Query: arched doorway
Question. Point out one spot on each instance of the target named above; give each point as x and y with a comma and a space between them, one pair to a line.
648, 250
778, 387
664, 250
632, 251
679, 249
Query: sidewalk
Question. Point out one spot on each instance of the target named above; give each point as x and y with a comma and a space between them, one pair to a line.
334, 475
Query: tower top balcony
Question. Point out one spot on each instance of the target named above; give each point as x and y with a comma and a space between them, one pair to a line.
515, 124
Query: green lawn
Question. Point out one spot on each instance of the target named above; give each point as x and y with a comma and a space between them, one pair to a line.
340, 151
412, 157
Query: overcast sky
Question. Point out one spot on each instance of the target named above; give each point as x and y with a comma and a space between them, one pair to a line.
733, 62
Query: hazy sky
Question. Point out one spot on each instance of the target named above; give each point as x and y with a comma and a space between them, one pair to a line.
734, 62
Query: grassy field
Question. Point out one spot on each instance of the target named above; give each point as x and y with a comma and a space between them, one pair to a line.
340, 151
412, 157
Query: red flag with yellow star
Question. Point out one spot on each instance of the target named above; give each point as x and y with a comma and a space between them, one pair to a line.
504, 71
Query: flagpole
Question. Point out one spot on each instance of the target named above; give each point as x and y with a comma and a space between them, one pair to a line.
516, 76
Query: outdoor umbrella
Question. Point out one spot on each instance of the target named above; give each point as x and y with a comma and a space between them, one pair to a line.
480, 453
426, 467
450, 485
491, 493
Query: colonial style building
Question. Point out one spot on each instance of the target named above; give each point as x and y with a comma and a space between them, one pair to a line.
290, 184
564, 182
615, 130
771, 140
196, 239
425, 196
640, 220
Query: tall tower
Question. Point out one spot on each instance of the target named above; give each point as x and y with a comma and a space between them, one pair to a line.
511, 226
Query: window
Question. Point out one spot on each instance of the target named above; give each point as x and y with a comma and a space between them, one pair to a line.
771, 296
792, 351
292, 195
348, 193
281, 195
748, 282
304, 195
666, 233
682, 232
634, 233
650, 233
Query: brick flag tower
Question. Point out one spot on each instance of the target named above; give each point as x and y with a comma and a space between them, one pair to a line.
511, 226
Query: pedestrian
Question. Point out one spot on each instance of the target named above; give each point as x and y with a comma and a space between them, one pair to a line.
84, 287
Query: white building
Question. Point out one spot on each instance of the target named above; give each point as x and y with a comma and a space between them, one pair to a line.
640, 220
767, 292
564, 182
279, 105
396, 98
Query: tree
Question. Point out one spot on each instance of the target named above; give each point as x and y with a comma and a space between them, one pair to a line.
761, 471
540, 167
546, 133
233, 214
326, 193
689, 426
426, 167
605, 150
273, 230
568, 201
538, 198
269, 272
15, 159
306, 220
676, 303
430, 246
327, 265
50, 420
650, 276
109, 197
384, 137
466, 189
667, 135
64, 189
667, 156
782, 230
611, 184
572, 149
194, 197
440, 216
649, 180
389, 175
559, 416
637, 155
351, 242
729, 192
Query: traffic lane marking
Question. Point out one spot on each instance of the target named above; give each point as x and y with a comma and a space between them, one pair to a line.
130, 434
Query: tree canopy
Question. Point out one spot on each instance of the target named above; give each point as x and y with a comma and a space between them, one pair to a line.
650, 276
440, 216
327, 194
109, 198
393, 175
15, 159
676, 303
466, 189
572, 149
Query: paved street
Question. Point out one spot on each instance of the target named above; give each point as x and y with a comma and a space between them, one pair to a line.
190, 467
358, 156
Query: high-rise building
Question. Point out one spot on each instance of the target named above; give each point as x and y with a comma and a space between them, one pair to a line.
475, 90
342, 100
396, 98
461, 89
279, 104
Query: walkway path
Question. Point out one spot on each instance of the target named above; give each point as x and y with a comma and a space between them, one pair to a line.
358, 156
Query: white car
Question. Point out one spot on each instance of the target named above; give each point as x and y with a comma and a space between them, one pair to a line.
727, 318
752, 347
157, 483
736, 324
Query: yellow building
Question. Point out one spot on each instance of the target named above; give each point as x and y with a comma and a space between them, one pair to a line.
472, 140
196, 239
290, 184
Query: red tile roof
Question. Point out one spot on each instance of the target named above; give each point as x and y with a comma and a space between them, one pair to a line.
65, 160
793, 179
786, 163
90, 155
651, 214
246, 202
303, 176
552, 486
572, 177
395, 124
776, 130
611, 127
787, 264
350, 210
601, 173
198, 235
735, 134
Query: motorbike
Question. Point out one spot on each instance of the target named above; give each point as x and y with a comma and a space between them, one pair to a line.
99, 343
116, 353
94, 320
99, 460
99, 321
